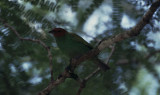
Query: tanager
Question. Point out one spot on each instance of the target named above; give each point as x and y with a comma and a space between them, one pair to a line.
73, 45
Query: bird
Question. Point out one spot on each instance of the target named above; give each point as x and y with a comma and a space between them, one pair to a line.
72, 45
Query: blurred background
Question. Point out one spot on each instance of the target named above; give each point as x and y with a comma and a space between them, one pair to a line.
24, 65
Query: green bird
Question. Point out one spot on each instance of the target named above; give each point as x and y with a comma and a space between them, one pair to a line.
73, 45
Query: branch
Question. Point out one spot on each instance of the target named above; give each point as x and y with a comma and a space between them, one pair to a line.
134, 31
104, 44
32, 40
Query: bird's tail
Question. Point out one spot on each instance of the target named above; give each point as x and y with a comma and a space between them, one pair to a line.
101, 64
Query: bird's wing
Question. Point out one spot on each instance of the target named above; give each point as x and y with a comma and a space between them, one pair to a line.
80, 39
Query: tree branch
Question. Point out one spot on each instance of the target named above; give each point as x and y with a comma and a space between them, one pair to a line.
134, 31
32, 40
106, 43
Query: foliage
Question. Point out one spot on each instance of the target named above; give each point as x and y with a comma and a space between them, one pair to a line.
24, 65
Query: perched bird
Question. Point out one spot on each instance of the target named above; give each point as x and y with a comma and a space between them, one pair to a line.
73, 45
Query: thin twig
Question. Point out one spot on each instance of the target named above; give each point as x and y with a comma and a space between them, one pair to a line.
92, 74
32, 40
113, 48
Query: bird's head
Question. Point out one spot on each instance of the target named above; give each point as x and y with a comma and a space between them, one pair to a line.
58, 32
